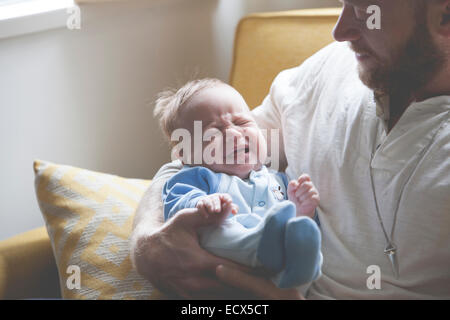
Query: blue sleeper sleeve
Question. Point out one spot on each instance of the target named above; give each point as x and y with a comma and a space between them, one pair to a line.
184, 189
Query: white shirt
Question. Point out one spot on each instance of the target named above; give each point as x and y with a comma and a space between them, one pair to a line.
330, 127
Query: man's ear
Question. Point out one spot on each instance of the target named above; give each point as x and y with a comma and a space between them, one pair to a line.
443, 11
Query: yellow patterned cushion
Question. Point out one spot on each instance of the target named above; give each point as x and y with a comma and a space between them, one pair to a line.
89, 217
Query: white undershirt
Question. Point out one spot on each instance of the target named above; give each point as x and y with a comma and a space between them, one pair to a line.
330, 127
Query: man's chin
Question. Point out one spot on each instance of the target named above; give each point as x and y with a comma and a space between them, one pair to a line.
372, 77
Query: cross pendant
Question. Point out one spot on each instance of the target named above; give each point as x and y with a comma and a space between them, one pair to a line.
391, 252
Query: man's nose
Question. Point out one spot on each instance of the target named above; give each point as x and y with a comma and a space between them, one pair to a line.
348, 28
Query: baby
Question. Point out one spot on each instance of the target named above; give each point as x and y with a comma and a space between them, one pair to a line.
266, 222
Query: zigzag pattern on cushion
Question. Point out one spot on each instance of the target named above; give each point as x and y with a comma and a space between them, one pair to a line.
89, 219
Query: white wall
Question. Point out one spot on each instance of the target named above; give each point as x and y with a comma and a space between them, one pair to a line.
84, 97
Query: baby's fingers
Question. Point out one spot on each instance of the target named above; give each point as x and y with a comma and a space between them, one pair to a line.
216, 204
225, 198
316, 198
303, 189
201, 208
303, 178
292, 188
310, 195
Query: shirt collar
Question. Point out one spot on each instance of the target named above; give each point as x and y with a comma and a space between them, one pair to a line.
438, 104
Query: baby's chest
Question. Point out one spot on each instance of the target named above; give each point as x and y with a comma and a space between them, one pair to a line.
255, 195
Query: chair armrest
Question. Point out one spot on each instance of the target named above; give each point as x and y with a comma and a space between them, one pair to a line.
27, 267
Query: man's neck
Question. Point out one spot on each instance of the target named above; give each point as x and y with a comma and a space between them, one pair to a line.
398, 103
397, 107
438, 86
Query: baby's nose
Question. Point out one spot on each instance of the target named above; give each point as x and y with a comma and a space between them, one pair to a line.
235, 137
233, 134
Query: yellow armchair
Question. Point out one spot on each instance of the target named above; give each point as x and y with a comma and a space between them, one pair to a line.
265, 44
27, 267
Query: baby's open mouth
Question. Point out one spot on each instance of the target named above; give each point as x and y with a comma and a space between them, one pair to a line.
242, 150
245, 149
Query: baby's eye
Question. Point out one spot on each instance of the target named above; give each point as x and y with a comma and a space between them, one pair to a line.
241, 122
211, 134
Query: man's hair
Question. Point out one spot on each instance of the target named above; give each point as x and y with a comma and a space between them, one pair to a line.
169, 103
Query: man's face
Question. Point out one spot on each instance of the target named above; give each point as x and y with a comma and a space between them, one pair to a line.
401, 57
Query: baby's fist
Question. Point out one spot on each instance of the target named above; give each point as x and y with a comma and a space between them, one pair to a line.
305, 195
217, 203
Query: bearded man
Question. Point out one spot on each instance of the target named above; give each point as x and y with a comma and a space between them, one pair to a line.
367, 118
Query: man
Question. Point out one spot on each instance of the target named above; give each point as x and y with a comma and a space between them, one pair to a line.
369, 121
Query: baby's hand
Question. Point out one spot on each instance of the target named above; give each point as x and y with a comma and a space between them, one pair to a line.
304, 194
217, 203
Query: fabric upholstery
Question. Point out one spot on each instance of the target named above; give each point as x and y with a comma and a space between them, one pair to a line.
27, 267
267, 43
89, 218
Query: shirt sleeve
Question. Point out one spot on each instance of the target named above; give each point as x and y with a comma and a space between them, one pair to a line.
292, 86
168, 170
268, 117
185, 188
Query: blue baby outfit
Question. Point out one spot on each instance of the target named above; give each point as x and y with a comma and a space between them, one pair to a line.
265, 233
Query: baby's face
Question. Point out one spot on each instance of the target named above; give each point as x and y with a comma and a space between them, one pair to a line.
234, 143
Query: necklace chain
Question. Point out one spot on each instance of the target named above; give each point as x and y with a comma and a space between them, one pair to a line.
391, 249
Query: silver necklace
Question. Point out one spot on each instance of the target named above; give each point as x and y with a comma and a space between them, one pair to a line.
391, 249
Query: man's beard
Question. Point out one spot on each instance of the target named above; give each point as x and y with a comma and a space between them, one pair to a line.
415, 65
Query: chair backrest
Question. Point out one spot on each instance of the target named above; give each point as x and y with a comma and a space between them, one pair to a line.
267, 43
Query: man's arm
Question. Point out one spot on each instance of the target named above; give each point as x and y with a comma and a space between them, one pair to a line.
148, 220
255, 286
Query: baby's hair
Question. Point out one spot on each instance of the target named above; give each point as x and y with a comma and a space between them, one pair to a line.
170, 101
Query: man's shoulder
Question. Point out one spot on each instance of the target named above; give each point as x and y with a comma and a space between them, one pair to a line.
168, 170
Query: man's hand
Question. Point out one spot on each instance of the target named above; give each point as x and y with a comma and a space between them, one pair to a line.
173, 261
255, 286
169, 255
305, 195
217, 203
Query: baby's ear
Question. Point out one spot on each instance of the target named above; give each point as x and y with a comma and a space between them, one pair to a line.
177, 154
